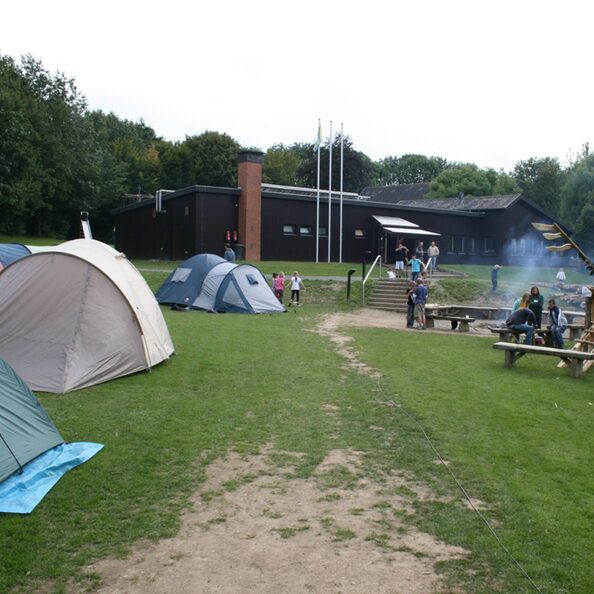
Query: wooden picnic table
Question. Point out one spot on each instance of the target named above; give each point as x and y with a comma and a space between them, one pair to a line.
462, 321
508, 334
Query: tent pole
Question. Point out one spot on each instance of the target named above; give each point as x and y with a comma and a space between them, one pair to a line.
10, 450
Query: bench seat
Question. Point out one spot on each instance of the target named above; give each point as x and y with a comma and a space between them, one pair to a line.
573, 359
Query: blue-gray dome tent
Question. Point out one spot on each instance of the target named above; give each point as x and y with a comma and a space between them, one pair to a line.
9, 252
209, 282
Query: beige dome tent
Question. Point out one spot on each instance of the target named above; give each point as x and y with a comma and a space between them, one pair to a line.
78, 315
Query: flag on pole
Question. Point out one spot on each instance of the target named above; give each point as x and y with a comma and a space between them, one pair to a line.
319, 138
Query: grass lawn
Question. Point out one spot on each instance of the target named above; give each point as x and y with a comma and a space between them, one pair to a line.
519, 274
519, 440
304, 268
27, 240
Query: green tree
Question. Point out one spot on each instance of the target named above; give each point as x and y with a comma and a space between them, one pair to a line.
134, 146
213, 159
53, 151
281, 163
410, 169
175, 161
540, 180
20, 187
577, 201
472, 181
358, 169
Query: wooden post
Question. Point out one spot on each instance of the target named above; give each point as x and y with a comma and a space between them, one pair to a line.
510, 358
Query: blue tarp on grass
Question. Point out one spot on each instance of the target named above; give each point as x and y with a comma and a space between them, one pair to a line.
20, 493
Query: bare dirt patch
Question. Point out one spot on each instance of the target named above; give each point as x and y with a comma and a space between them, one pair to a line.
256, 528
272, 534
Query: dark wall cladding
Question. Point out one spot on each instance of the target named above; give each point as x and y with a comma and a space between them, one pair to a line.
200, 220
193, 223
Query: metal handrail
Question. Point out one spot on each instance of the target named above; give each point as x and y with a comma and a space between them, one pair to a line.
377, 260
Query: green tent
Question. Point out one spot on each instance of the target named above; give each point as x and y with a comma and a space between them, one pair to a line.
26, 431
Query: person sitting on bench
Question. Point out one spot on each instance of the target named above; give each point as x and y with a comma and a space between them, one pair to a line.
523, 320
558, 324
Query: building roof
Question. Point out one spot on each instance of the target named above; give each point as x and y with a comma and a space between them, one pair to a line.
465, 203
395, 193
149, 199
413, 195
274, 189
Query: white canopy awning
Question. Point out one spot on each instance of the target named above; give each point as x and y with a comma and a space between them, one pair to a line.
394, 222
411, 231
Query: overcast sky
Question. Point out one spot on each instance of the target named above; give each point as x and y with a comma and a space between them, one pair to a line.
481, 81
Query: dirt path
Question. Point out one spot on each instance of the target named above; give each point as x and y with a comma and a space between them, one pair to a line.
275, 534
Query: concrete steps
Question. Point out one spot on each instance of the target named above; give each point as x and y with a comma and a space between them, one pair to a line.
389, 294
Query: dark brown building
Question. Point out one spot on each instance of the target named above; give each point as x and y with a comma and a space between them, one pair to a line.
267, 222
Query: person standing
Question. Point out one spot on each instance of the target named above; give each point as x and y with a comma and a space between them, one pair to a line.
278, 285
558, 324
410, 304
420, 252
432, 252
523, 320
401, 254
229, 254
420, 293
296, 286
522, 301
561, 277
536, 304
494, 273
415, 267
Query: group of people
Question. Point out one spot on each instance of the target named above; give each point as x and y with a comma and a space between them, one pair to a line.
419, 262
278, 280
295, 286
526, 317
416, 294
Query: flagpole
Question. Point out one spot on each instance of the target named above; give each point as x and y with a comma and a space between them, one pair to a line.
330, 193
341, 180
318, 196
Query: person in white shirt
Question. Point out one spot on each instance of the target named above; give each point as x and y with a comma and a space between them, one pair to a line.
296, 285
561, 277
432, 252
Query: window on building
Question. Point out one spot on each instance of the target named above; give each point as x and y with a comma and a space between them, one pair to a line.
451, 244
460, 244
489, 243
471, 245
289, 229
306, 230
359, 233
323, 231
514, 247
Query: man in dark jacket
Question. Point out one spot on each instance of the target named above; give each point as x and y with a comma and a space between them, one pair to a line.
420, 292
523, 320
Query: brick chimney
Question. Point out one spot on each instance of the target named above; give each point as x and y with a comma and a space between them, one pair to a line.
249, 180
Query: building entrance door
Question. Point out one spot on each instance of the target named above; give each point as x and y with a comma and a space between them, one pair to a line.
177, 243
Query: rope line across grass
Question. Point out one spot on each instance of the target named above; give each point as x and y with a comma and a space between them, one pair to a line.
463, 490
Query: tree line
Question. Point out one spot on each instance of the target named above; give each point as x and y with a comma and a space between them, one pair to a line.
58, 158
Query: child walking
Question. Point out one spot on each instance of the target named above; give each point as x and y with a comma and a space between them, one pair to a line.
278, 285
296, 286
